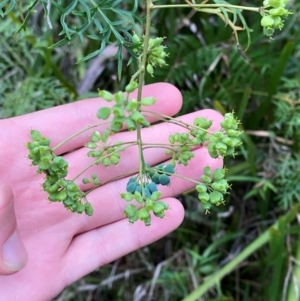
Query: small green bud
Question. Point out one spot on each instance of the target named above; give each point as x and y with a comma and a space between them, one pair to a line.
156, 195
268, 32
206, 206
127, 196
131, 86
91, 145
114, 159
88, 209
139, 118
131, 126
212, 150
62, 195
206, 179
117, 124
106, 162
216, 197
35, 135
149, 69
149, 204
144, 216
105, 135
118, 111
201, 188
207, 171
148, 101
131, 106
171, 139
159, 209
104, 113
220, 185
130, 210
135, 38
203, 197
267, 21
202, 122
86, 181
96, 136
138, 196
219, 174
106, 95
119, 97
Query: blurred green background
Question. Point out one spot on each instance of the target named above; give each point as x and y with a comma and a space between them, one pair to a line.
209, 255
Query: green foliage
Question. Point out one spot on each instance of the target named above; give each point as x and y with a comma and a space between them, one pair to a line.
206, 65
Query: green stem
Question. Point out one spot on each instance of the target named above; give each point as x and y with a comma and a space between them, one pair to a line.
142, 66
97, 161
78, 133
233, 264
199, 6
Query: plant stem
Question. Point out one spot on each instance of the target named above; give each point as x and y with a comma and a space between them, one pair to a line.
96, 162
199, 6
142, 66
78, 133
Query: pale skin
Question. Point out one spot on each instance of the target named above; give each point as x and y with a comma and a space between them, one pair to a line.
57, 247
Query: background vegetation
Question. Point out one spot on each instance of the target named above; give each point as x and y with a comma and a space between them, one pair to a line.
209, 255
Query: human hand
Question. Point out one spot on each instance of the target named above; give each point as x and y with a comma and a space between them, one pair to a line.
63, 247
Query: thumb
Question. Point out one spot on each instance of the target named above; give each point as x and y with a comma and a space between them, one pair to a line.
13, 255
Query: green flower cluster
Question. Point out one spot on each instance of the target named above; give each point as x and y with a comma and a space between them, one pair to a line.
124, 111
223, 143
155, 53
214, 187
106, 155
56, 168
272, 18
182, 151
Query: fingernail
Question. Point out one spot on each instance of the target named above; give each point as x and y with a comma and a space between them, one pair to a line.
14, 253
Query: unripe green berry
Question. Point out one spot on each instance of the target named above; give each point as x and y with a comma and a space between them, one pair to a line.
132, 105
206, 179
216, 197
207, 171
206, 206
62, 195
212, 150
130, 210
131, 86
119, 97
135, 38
91, 145
35, 135
103, 113
267, 21
88, 209
127, 196
201, 188
149, 69
106, 95
96, 136
219, 174
143, 214
148, 101
118, 111
155, 195
203, 197
86, 181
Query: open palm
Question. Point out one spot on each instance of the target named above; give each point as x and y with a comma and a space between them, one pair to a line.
61, 246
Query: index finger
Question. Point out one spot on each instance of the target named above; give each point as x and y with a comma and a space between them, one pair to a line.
60, 122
